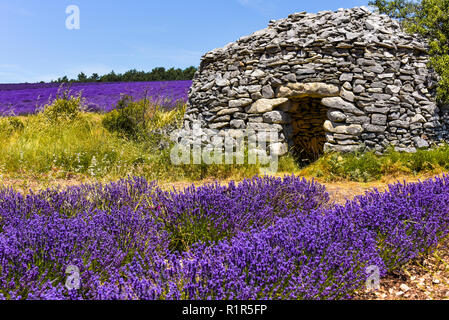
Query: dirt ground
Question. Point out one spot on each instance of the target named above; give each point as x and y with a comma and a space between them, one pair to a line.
426, 278
339, 191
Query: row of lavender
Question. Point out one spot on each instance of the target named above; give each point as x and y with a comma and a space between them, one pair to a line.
19, 99
265, 238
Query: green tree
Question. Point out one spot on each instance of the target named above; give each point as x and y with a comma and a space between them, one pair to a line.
432, 21
189, 73
62, 80
131, 75
111, 77
95, 77
157, 74
403, 10
82, 77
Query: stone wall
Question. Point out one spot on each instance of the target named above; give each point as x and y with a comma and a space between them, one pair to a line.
346, 80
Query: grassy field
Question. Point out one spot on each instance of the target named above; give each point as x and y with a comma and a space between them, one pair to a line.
64, 145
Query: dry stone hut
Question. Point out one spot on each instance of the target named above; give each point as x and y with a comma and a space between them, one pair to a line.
346, 80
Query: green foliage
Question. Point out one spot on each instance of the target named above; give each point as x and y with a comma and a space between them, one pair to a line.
370, 167
403, 10
137, 120
432, 21
355, 167
82, 77
429, 18
65, 107
83, 147
188, 231
10, 125
128, 118
157, 74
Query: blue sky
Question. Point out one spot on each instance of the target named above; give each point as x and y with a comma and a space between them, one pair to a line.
122, 35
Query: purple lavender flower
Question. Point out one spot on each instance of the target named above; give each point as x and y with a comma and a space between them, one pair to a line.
264, 238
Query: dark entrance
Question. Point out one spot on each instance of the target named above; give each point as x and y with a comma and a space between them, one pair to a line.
308, 116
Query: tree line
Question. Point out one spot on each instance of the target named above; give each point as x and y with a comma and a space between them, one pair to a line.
157, 74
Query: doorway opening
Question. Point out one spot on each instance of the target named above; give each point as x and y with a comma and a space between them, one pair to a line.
308, 116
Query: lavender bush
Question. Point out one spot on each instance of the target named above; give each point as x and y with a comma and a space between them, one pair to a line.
264, 238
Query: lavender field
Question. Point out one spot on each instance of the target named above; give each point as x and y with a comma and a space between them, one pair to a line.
20, 99
265, 238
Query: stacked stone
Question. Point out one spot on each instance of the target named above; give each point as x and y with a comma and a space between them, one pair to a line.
370, 75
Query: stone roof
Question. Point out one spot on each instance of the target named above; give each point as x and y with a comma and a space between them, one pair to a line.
346, 27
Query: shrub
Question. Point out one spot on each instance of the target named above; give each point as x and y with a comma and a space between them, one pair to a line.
214, 212
138, 120
16, 124
10, 125
65, 107
127, 118
130, 118
369, 166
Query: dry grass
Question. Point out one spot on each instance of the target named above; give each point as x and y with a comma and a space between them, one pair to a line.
340, 191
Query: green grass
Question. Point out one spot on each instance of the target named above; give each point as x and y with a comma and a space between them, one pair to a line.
366, 167
62, 142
